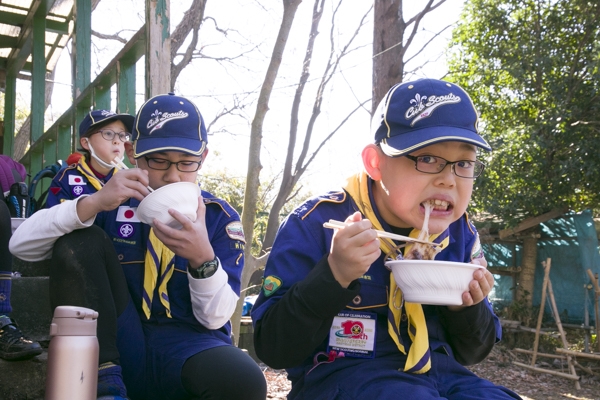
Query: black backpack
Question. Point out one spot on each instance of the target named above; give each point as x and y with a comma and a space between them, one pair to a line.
50, 171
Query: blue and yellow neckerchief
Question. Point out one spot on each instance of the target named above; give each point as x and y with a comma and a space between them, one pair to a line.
418, 358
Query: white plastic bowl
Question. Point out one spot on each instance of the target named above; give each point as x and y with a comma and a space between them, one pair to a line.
432, 282
180, 196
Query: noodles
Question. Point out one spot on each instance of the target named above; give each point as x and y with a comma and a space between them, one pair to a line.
421, 251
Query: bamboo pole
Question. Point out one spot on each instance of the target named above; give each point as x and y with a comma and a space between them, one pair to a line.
546, 264
596, 305
562, 333
549, 371
579, 354
548, 355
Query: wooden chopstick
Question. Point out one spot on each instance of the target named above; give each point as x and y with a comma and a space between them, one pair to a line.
333, 224
118, 164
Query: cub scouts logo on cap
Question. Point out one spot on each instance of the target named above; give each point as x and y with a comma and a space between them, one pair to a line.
235, 231
76, 180
159, 119
271, 284
425, 105
107, 113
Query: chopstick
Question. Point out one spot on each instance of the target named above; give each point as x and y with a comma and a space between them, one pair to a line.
118, 164
333, 224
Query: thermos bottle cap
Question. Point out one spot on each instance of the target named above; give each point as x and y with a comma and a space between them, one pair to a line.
73, 321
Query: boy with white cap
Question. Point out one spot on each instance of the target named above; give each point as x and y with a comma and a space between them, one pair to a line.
167, 336
348, 333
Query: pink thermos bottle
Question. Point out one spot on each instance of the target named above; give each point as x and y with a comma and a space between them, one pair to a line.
72, 371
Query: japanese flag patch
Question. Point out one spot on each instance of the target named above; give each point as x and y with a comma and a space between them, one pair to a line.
127, 214
76, 180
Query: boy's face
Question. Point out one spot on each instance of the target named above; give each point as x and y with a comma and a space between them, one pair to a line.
161, 177
107, 150
401, 190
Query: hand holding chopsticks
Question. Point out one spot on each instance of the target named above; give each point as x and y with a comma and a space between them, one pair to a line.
333, 224
120, 165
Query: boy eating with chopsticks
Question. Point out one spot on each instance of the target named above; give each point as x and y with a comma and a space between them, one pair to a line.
102, 137
327, 311
164, 296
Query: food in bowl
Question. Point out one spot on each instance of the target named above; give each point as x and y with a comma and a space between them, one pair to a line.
432, 282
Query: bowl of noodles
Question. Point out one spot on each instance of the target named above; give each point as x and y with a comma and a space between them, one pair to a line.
432, 282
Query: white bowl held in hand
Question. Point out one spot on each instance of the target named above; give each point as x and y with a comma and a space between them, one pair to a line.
180, 196
432, 282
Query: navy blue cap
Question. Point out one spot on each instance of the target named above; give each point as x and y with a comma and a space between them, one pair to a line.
416, 114
95, 117
168, 123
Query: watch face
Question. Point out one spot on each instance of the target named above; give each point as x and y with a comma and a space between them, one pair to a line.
209, 270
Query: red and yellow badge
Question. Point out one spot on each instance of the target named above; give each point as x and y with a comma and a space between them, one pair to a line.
270, 285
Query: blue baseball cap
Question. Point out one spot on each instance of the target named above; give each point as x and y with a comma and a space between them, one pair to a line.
416, 114
168, 123
95, 117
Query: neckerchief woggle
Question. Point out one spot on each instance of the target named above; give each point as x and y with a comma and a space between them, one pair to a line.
418, 359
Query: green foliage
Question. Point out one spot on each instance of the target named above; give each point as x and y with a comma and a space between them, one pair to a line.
532, 68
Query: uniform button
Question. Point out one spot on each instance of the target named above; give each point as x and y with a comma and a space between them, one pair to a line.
404, 317
357, 300
120, 257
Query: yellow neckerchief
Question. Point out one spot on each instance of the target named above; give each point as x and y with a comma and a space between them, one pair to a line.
86, 171
418, 358
158, 267
159, 258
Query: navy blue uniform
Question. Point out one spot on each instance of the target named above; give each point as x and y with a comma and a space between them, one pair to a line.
294, 312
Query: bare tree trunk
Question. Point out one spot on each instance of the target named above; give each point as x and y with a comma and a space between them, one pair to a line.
388, 51
192, 19
290, 178
526, 278
391, 39
254, 166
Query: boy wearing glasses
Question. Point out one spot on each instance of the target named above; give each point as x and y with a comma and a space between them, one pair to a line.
164, 296
328, 292
102, 137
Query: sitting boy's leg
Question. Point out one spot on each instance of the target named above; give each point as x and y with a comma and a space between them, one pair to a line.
85, 271
14, 345
224, 372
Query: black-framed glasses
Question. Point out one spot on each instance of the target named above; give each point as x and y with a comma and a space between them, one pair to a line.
108, 134
183, 166
434, 165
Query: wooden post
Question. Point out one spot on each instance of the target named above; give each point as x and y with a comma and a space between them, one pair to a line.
562, 333
546, 264
596, 305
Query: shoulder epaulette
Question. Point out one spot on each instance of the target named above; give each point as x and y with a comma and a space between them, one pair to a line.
223, 204
332, 197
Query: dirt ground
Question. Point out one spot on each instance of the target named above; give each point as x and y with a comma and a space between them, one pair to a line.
498, 368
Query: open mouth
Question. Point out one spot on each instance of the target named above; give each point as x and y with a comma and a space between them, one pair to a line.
438, 205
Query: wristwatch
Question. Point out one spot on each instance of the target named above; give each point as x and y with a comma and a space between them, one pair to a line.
206, 270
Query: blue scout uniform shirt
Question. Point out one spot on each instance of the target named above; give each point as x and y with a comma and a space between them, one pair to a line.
302, 242
129, 236
70, 183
